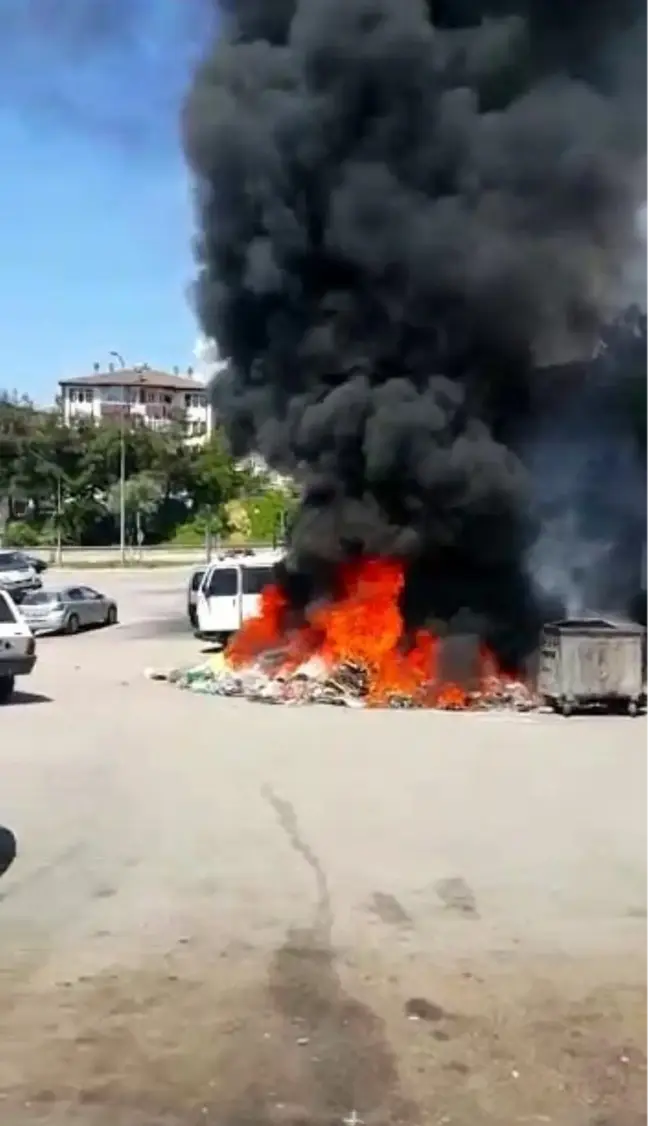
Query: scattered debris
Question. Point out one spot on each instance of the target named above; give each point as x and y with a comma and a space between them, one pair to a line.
419, 1008
157, 674
457, 895
347, 685
504, 693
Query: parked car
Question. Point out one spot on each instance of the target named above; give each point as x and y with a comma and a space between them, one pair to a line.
68, 609
17, 575
34, 561
192, 595
17, 646
8, 849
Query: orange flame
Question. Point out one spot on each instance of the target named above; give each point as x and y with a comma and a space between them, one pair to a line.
363, 625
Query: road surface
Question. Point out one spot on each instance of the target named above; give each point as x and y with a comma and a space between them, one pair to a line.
239, 915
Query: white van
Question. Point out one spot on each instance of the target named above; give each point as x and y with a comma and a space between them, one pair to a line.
230, 592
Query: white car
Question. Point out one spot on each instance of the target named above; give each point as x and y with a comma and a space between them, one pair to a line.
17, 575
17, 646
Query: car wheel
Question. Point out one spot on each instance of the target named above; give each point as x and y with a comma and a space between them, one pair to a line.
6, 688
72, 624
7, 849
111, 616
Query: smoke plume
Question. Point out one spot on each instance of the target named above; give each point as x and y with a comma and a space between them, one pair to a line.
407, 211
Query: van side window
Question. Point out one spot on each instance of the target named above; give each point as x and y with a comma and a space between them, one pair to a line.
255, 579
196, 579
223, 583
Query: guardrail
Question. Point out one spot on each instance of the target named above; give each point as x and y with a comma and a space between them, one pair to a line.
153, 554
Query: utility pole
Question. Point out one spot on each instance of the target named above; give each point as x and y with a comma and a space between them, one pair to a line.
122, 466
59, 516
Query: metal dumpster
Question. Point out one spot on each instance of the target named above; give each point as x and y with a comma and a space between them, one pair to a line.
592, 660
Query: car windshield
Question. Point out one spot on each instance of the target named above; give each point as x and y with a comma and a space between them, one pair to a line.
41, 598
10, 560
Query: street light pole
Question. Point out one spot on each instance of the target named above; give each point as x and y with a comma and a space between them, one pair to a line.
122, 467
59, 517
122, 487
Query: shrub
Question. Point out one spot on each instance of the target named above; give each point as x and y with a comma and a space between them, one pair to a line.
194, 532
19, 533
264, 512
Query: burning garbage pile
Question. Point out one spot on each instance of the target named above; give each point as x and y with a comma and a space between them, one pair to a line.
406, 212
351, 652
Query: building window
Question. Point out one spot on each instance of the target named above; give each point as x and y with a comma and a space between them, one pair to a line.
194, 401
81, 396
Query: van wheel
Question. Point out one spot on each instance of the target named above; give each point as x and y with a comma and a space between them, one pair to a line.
6, 688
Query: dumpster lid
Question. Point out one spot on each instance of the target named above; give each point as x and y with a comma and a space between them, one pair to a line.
596, 621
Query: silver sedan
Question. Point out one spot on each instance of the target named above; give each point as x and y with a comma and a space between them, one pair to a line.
67, 609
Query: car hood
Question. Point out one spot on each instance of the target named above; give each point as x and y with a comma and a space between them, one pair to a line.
18, 576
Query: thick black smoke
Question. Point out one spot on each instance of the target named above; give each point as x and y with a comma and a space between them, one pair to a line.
406, 211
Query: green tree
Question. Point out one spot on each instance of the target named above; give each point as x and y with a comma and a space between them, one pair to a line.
59, 479
214, 474
236, 522
143, 495
268, 514
213, 484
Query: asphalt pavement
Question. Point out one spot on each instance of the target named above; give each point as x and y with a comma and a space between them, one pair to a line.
243, 915
152, 603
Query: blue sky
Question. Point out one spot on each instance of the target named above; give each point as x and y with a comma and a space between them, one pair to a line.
95, 205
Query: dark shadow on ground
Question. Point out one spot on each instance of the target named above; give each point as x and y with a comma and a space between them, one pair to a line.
20, 698
176, 626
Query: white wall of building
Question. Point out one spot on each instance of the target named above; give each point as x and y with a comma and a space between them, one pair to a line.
79, 403
156, 406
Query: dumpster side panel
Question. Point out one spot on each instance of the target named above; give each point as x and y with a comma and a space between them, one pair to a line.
599, 667
549, 674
